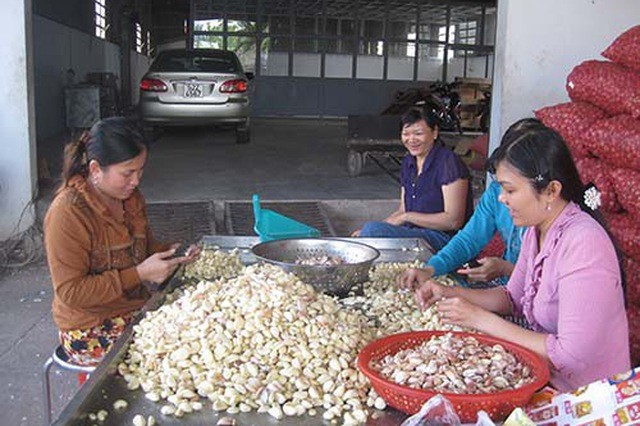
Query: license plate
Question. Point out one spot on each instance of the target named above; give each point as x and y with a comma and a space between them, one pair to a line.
193, 90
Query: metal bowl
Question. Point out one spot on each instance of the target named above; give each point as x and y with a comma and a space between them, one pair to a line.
336, 280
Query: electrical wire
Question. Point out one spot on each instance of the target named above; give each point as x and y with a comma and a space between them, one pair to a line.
22, 248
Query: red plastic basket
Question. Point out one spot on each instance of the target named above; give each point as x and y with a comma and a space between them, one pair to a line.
409, 400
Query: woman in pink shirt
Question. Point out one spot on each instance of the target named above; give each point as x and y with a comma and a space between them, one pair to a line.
567, 281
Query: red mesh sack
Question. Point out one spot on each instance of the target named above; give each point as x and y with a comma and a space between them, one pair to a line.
633, 315
627, 186
616, 141
595, 171
626, 230
494, 248
610, 86
571, 119
632, 274
625, 49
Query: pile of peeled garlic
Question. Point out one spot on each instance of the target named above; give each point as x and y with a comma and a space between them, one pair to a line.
263, 340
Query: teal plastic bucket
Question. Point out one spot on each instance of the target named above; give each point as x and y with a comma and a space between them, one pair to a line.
270, 225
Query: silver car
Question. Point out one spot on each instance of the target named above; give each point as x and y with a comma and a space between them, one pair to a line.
193, 87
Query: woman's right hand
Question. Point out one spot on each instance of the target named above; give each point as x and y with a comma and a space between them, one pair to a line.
431, 292
159, 266
412, 278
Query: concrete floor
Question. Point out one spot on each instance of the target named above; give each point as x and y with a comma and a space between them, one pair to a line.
286, 160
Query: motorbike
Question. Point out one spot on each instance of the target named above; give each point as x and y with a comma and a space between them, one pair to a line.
445, 102
484, 111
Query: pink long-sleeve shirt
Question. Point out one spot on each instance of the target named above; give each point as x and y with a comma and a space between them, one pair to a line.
571, 290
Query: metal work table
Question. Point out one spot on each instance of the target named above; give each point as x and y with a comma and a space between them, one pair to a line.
105, 385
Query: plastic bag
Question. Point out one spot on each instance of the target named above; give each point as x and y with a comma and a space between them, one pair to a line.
518, 418
484, 419
438, 411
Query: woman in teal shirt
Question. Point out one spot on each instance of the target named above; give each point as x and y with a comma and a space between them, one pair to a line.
489, 216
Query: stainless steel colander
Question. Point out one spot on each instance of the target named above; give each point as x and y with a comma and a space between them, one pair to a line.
335, 279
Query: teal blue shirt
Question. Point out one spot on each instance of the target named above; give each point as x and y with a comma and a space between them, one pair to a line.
489, 216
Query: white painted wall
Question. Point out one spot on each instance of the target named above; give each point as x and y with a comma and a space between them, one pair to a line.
58, 48
537, 45
139, 66
17, 149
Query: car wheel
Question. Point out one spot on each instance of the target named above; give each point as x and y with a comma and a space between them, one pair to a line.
243, 134
355, 161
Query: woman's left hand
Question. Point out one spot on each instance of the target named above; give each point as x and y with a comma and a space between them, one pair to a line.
490, 268
459, 311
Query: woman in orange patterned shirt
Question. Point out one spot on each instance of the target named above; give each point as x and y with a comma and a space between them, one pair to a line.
100, 250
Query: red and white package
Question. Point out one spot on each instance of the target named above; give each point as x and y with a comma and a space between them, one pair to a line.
616, 141
627, 186
593, 170
626, 231
613, 401
571, 119
625, 50
612, 87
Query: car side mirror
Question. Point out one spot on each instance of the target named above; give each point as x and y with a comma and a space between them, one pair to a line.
249, 75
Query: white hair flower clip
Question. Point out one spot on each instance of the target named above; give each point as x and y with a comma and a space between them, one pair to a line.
538, 177
592, 198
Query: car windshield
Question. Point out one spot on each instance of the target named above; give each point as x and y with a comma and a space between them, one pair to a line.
195, 62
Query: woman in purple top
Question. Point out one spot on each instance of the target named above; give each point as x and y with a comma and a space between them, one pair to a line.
567, 281
435, 198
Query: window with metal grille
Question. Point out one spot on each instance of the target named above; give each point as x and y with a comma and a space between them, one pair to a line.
372, 39
139, 41
101, 18
467, 32
442, 37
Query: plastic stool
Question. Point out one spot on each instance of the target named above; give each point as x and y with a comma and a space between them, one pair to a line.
61, 359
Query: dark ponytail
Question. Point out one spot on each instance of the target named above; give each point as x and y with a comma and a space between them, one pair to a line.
75, 159
541, 155
110, 141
